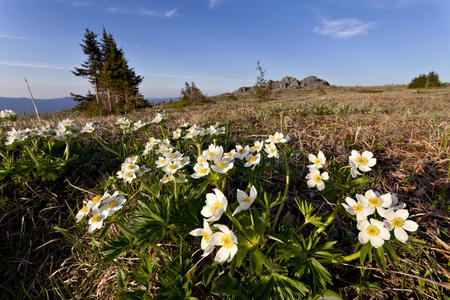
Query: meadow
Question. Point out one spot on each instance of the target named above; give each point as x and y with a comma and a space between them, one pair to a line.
67, 235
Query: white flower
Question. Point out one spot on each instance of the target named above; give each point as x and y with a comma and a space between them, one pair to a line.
245, 201
124, 124
154, 141
172, 167
148, 147
212, 130
354, 169
317, 161
180, 178
112, 204
97, 200
278, 138
252, 160
141, 171
373, 200
166, 178
397, 220
7, 114
227, 240
373, 231
176, 134
271, 150
206, 234
222, 165
200, 170
139, 124
96, 221
216, 205
213, 152
158, 118
229, 155
183, 160
162, 162
316, 179
364, 161
356, 208
82, 212
90, 127
129, 176
241, 152
257, 147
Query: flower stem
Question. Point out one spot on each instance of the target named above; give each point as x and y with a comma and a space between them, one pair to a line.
199, 149
162, 131
331, 217
286, 188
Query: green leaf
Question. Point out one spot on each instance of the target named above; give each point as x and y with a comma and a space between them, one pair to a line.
227, 285
379, 256
366, 249
256, 261
327, 295
208, 273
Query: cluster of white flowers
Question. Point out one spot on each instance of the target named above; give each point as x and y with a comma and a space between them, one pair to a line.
126, 125
100, 208
315, 178
215, 205
363, 162
194, 131
7, 114
66, 129
90, 127
375, 231
129, 170
171, 162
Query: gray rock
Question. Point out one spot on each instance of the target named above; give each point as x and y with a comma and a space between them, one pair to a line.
286, 83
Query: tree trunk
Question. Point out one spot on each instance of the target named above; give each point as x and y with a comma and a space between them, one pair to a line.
109, 100
96, 92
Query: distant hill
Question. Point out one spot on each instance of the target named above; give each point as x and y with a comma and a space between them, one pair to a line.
24, 105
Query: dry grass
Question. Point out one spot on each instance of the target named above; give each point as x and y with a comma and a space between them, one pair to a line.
407, 130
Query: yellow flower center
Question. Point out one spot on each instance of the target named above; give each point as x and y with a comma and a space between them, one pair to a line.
130, 175
228, 154
84, 209
372, 230
147, 147
375, 202
272, 150
361, 161
241, 151
122, 172
96, 198
173, 155
317, 178
216, 205
397, 222
206, 236
203, 171
251, 159
317, 161
255, 148
163, 161
277, 139
210, 153
246, 199
112, 203
95, 218
172, 167
226, 241
182, 161
357, 208
222, 164
130, 167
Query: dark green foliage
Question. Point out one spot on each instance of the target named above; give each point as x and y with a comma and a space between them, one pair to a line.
262, 88
116, 84
191, 93
425, 81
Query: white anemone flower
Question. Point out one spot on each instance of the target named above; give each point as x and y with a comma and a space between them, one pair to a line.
316, 179
180, 178
356, 208
317, 161
354, 169
162, 162
245, 201
96, 221
373, 231
271, 150
158, 118
176, 134
82, 212
278, 137
222, 165
147, 148
172, 167
216, 205
374, 200
112, 204
257, 147
229, 155
397, 220
129, 177
90, 127
364, 162
252, 160
200, 170
206, 234
227, 240
97, 200
241, 152
166, 178
183, 160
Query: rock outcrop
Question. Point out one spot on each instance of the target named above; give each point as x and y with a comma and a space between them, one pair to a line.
287, 83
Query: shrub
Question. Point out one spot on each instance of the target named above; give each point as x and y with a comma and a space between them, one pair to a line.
262, 88
425, 81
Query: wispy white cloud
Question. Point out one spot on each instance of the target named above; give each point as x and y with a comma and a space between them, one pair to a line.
213, 3
171, 13
382, 4
12, 37
34, 65
343, 28
144, 12
80, 4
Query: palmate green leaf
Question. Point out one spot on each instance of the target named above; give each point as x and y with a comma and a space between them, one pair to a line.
379, 257
256, 261
276, 286
327, 295
307, 210
365, 249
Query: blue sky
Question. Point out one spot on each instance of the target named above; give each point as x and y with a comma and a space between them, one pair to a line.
216, 43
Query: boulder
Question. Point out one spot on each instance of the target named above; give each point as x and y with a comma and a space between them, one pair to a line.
312, 82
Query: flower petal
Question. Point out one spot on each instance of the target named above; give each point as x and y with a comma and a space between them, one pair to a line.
377, 241
410, 225
400, 234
